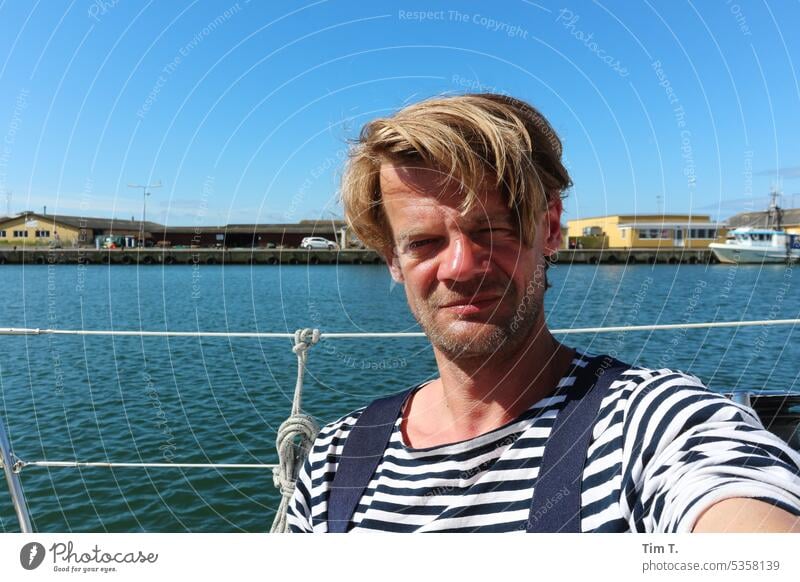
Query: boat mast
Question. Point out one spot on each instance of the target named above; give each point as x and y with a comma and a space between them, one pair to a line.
775, 215
775, 211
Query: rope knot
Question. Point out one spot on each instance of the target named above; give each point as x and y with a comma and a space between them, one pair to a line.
304, 339
291, 453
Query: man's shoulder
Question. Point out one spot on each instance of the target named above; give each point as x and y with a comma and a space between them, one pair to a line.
636, 377
636, 384
645, 394
341, 426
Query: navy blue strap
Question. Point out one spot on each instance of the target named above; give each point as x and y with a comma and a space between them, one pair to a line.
556, 504
362, 452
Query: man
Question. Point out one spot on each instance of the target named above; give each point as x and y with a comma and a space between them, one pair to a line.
462, 196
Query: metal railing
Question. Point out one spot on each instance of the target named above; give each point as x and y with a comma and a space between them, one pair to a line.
13, 465
11, 470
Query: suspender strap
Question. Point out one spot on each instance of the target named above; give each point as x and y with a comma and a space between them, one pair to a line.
556, 504
362, 452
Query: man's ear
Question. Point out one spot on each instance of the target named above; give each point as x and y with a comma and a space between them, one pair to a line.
393, 262
552, 220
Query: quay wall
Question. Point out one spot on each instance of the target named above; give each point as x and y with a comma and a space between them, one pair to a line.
89, 256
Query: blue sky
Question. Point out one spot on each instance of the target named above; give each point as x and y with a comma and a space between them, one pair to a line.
243, 109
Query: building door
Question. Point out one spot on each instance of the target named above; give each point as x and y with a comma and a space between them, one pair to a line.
678, 241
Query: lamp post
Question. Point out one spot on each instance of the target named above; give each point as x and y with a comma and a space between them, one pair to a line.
343, 243
145, 194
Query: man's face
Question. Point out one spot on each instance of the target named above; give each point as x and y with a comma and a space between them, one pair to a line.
471, 283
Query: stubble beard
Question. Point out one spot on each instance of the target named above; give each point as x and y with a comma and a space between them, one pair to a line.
485, 335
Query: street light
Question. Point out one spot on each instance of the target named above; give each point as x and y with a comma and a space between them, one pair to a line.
145, 194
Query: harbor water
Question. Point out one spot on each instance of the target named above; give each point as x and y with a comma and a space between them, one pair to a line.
221, 400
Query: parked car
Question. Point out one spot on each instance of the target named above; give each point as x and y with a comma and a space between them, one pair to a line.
318, 242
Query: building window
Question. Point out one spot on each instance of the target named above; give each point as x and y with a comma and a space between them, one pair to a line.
2, 234
42, 234
703, 233
20, 234
653, 233
624, 233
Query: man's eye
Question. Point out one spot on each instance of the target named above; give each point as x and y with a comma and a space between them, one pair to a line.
418, 244
496, 231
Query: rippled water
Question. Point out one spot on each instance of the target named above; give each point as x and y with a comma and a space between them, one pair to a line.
220, 400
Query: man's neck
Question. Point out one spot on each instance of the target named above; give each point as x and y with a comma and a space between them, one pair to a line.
475, 396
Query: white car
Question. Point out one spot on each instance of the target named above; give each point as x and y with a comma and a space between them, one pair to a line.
317, 242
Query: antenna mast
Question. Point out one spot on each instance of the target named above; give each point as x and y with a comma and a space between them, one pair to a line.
774, 210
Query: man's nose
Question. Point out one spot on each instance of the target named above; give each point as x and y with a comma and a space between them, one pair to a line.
462, 259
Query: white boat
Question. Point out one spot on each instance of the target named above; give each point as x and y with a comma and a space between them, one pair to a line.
757, 245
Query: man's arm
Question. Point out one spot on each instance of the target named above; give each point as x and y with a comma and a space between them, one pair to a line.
700, 462
741, 514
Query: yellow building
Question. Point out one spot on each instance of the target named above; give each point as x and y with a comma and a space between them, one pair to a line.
644, 231
35, 229
30, 229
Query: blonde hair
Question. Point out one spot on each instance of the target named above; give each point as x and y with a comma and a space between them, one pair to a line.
470, 139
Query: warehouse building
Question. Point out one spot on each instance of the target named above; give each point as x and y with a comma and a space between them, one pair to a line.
789, 220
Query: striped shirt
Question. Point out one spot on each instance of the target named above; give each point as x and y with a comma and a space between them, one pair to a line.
663, 449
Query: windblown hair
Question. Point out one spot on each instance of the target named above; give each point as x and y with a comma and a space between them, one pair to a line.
475, 141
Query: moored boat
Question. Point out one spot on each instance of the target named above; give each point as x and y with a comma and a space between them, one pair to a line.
755, 245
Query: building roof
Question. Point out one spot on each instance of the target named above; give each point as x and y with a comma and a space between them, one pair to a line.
89, 222
670, 224
337, 221
649, 217
118, 224
249, 229
790, 217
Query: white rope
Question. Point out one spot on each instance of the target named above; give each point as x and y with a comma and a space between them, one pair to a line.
357, 335
19, 465
292, 454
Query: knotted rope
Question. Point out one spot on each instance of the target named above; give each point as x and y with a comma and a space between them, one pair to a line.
291, 454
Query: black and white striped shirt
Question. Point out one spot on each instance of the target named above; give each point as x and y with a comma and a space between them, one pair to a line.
664, 448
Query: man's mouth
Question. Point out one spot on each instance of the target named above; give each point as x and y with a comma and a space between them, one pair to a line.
471, 304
